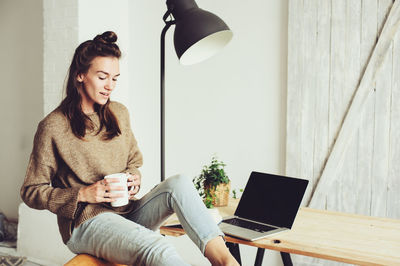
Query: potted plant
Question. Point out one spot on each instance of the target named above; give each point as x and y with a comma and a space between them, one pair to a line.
213, 184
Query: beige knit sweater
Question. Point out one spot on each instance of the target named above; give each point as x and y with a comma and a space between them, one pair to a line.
60, 164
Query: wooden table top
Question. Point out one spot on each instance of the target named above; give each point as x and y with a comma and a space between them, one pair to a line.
337, 236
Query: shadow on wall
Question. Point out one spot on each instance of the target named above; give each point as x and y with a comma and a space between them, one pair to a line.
21, 51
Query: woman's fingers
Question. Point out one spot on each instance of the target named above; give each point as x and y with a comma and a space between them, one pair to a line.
133, 178
104, 190
107, 181
133, 184
102, 199
114, 188
110, 195
109, 184
133, 191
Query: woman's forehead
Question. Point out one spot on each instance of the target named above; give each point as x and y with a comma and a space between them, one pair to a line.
108, 65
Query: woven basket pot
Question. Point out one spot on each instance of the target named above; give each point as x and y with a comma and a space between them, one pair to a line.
220, 195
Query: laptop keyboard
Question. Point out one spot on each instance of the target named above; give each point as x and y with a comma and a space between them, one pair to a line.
249, 225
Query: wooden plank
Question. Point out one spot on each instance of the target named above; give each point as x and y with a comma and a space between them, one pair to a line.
337, 106
366, 131
295, 83
321, 112
393, 187
380, 159
351, 122
308, 91
347, 174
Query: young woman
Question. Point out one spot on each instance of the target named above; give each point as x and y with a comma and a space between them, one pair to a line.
88, 137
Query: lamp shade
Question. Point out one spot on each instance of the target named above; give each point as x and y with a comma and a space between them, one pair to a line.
198, 35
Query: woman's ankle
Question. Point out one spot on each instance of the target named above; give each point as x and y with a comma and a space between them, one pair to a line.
218, 254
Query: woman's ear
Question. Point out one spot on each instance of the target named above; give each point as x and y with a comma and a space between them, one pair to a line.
79, 77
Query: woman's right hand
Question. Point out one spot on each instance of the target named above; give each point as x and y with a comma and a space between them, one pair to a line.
100, 191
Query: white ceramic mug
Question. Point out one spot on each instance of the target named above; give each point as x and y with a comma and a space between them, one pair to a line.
123, 179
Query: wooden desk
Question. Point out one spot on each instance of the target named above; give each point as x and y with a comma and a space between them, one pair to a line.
342, 237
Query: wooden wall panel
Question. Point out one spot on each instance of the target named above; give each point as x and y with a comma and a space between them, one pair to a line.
393, 187
309, 88
365, 135
337, 101
296, 66
321, 111
330, 46
380, 159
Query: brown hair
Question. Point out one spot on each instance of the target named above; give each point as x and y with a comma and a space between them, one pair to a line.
101, 45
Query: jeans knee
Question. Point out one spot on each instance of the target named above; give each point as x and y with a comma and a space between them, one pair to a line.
178, 183
161, 253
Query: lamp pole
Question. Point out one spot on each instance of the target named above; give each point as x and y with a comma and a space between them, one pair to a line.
168, 24
198, 35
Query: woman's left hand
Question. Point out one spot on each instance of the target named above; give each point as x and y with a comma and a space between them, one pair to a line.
134, 182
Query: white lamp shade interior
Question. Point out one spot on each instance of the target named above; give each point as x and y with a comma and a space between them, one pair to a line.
206, 47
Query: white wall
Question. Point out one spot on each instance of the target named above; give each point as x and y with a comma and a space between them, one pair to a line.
96, 22
60, 37
21, 68
232, 105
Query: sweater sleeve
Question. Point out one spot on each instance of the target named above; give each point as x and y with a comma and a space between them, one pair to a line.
135, 158
37, 191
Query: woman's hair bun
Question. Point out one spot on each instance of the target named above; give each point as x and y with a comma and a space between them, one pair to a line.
107, 37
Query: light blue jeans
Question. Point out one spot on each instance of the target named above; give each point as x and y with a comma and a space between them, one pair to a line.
131, 239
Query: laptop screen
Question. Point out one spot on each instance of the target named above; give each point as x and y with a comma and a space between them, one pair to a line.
271, 199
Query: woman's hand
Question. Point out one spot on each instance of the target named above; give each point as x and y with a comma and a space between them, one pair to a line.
100, 191
134, 182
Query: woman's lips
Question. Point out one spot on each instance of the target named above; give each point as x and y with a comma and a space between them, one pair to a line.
105, 95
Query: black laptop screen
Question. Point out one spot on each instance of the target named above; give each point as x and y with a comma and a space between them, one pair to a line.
271, 199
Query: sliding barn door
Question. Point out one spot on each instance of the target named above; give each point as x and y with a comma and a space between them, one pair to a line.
343, 106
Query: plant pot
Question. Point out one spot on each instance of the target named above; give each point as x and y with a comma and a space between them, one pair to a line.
220, 195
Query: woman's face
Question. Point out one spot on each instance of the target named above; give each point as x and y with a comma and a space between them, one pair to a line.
98, 82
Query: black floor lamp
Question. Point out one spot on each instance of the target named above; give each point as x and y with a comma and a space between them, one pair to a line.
198, 35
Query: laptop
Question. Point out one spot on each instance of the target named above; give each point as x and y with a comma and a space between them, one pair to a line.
268, 205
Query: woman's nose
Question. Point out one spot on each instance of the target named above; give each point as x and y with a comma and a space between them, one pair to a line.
109, 85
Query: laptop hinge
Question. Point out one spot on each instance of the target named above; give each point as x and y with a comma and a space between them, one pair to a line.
257, 222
